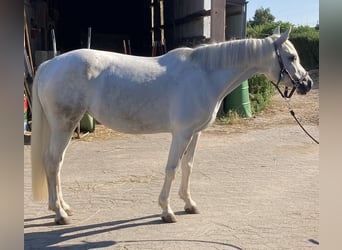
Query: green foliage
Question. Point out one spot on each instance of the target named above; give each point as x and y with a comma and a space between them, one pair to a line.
264, 30
262, 16
261, 91
231, 118
306, 41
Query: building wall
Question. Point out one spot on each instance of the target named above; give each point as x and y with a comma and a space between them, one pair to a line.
186, 23
190, 22
236, 20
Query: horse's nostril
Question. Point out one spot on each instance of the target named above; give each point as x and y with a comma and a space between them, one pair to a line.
309, 83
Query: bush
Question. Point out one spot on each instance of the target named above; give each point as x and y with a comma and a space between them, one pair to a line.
264, 30
306, 41
260, 92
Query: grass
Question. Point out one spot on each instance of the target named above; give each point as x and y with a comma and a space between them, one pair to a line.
230, 119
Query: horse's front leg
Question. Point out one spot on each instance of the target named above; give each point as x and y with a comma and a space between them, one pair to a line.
187, 164
180, 142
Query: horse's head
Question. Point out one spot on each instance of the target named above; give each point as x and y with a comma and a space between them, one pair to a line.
288, 69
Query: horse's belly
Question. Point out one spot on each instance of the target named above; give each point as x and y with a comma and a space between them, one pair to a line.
134, 126
144, 120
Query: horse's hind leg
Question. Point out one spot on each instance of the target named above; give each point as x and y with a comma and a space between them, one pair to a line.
59, 141
187, 163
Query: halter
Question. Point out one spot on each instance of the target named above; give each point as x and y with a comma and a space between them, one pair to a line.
283, 69
295, 84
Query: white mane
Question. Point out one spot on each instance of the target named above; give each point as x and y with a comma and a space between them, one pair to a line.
228, 54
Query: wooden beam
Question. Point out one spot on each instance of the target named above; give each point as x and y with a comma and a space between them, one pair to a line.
218, 20
218, 27
27, 42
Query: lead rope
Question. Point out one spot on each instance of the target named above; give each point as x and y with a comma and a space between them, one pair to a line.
300, 125
286, 98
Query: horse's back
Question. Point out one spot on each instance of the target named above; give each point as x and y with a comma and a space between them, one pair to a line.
123, 92
88, 64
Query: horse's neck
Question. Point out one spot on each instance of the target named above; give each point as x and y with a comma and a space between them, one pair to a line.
226, 81
247, 62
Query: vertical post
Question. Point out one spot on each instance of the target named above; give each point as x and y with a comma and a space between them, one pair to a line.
27, 44
89, 37
152, 23
218, 20
129, 47
27, 62
238, 100
87, 122
162, 34
217, 28
244, 20
54, 42
124, 46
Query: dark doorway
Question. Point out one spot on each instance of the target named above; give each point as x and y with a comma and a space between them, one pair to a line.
111, 23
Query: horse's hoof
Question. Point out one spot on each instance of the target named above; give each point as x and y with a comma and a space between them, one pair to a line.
62, 221
169, 218
191, 210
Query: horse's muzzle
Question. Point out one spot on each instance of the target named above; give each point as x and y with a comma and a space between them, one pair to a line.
304, 86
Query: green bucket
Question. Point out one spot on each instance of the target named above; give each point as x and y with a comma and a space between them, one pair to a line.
87, 123
238, 101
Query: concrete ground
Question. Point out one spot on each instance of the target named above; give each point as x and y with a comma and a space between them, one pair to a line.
256, 187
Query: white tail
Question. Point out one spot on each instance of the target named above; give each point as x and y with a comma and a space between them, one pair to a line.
39, 140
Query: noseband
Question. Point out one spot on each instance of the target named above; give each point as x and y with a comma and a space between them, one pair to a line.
283, 71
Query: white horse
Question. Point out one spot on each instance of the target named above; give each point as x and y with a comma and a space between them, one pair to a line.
179, 92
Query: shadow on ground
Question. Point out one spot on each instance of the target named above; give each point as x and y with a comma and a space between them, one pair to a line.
50, 239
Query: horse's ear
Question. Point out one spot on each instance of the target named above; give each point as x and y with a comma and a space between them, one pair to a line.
276, 31
283, 37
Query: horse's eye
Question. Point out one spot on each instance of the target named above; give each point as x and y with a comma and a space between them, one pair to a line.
293, 58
